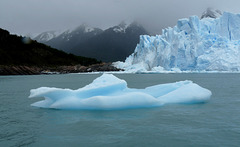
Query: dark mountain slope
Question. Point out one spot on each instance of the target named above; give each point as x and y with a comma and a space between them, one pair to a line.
71, 39
113, 44
16, 50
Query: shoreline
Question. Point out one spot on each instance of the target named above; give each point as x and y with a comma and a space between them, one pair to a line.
8, 70
36, 70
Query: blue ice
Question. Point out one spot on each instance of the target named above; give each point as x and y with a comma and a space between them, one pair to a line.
108, 92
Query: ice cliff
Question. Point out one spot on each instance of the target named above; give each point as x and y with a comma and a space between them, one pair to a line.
107, 92
194, 44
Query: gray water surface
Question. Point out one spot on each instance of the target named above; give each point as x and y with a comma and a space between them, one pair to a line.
216, 123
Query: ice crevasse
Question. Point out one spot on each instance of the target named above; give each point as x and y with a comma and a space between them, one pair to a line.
108, 92
194, 44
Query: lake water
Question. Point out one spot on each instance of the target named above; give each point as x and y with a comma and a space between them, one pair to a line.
216, 123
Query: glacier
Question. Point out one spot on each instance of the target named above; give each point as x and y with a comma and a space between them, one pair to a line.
194, 44
108, 92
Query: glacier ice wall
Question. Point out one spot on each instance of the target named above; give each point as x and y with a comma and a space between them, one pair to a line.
107, 92
192, 45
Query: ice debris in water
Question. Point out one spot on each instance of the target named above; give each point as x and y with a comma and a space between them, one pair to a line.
107, 92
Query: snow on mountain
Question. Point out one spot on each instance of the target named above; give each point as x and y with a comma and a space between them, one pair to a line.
211, 13
88, 29
46, 36
121, 28
113, 44
83, 28
71, 37
65, 35
192, 45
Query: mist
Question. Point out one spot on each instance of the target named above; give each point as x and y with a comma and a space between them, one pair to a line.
36, 16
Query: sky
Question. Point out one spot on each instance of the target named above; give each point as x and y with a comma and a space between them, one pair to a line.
27, 17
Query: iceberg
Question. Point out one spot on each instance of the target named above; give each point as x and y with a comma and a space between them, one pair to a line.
208, 44
108, 92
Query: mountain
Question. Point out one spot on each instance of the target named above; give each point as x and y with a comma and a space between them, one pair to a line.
17, 50
211, 13
73, 38
65, 40
192, 45
112, 44
115, 43
46, 36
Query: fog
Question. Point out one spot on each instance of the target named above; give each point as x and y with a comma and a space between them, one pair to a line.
25, 17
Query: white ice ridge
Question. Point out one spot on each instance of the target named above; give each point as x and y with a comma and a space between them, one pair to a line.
194, 44
107, 92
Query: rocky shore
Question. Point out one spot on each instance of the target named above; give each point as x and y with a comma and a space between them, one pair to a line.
34, 70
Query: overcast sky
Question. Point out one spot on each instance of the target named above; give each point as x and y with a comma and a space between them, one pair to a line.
36, 16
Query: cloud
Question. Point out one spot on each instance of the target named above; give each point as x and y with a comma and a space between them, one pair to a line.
35, 16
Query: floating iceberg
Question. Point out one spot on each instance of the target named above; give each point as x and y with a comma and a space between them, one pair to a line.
192, 45
107, 92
